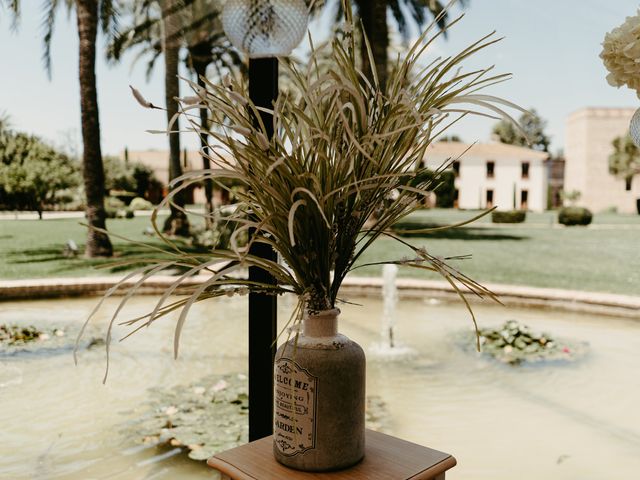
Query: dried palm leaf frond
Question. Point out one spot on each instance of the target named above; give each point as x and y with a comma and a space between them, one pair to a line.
342, 148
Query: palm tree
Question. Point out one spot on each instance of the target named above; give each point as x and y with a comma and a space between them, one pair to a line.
14, 9
206, 46
98, 243
157, 28
90, 14
373, 15
171, 11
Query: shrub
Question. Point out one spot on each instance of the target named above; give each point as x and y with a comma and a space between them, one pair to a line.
116, 208
570, 216
113, 203
119, 212
510, 216
140, 203
218, 235
71, 199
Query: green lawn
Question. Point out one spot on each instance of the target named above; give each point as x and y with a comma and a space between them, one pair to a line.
33, 248
604, 257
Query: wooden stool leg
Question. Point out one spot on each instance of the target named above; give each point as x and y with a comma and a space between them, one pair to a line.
439, 477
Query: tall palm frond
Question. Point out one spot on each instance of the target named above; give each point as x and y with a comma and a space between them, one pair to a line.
108, 19
201, 34
14, 9
373, 15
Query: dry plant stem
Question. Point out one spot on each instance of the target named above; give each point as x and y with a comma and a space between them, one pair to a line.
343, 149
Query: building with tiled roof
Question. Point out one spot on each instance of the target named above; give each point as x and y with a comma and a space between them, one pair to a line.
494, 174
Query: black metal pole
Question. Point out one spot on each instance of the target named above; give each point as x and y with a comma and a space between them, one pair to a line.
263, 90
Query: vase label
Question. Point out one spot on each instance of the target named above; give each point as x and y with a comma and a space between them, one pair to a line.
296, 394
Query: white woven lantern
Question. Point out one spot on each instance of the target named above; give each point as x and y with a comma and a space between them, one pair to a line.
265, 28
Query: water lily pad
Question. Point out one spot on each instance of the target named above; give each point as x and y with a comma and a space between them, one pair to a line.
514, 344
41, 339
211, 415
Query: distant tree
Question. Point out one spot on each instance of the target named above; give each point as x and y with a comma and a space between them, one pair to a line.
146, 183
132, 177
445, 191
32, 172
118, 175
624, 162
534, 128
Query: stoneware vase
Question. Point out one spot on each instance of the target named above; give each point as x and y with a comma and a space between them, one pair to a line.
319, 398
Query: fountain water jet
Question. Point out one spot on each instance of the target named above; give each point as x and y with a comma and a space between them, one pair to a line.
390, 300
388, 345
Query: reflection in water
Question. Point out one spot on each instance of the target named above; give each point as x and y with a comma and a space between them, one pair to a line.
59, 421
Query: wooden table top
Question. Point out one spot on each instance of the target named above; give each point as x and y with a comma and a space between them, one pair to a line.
386, 458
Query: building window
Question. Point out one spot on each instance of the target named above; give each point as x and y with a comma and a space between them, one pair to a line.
489, 202
525, 170
491, 167
524, 199
627, 184
456, 168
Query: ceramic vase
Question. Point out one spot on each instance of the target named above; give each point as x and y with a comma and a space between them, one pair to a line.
319, 397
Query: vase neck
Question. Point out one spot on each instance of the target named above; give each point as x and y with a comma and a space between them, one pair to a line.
321, 324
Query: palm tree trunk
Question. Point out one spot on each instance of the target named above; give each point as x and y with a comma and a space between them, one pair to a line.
177, 223
200, 68
373, 14
98, 243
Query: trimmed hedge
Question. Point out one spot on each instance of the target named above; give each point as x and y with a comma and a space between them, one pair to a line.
404, 228
570, 216
510, 216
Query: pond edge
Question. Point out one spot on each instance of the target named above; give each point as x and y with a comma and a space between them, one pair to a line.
511, 295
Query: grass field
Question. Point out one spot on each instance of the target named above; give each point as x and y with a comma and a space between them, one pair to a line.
603, 257
33, 248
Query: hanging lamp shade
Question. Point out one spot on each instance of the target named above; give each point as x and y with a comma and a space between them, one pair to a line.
265, 28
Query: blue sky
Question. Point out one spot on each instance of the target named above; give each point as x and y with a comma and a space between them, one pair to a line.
551, 47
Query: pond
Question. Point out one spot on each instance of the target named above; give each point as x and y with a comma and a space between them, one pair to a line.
557, 420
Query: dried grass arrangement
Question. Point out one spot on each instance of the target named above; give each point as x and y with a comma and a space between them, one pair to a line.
342, 148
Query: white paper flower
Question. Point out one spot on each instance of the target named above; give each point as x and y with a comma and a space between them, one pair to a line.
621, 54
